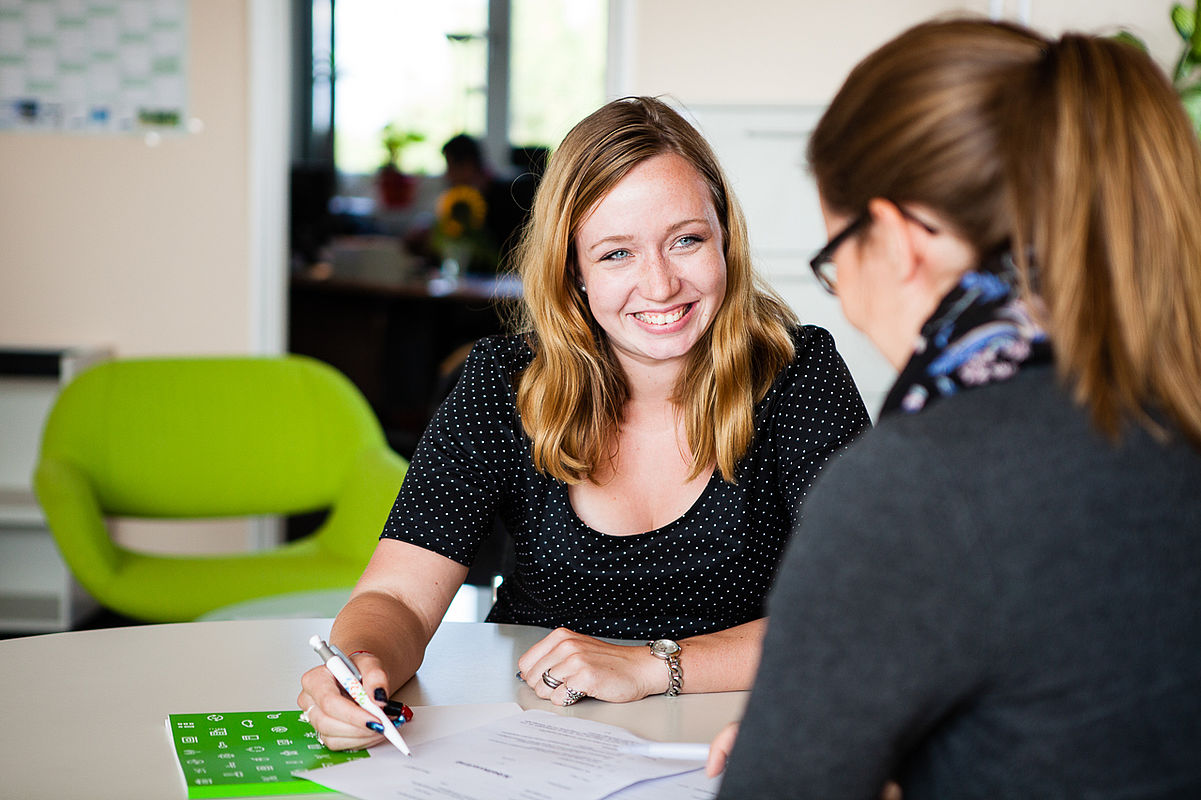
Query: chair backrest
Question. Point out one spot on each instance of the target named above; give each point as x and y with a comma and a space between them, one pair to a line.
209, 437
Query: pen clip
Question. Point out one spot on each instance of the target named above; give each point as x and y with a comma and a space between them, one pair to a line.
358, 676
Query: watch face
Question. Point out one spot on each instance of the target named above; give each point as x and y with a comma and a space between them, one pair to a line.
665, 647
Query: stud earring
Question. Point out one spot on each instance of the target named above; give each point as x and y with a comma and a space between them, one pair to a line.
583, 288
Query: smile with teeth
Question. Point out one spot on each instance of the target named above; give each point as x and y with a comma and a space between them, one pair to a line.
666, 318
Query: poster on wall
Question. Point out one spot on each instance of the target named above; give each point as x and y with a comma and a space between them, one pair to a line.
93, 66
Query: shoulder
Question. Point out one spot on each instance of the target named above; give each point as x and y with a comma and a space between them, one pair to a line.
506, 355
982, 444
482, 399
814, 353
1029, 435
486, 381
897, 500
811, 338
816, 376
1008, 415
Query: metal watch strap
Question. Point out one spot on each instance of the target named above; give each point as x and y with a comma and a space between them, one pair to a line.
673, 668
677, 676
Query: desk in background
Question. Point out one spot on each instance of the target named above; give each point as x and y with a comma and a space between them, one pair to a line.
390, 333
85, 713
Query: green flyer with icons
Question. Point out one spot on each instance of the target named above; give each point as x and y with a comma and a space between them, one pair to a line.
249, 753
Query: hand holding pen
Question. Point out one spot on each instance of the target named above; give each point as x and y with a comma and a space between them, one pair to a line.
337, 722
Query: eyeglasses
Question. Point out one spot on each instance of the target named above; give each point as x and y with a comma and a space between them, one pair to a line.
822, 263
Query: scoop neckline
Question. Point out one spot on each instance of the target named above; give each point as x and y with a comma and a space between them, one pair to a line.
566, 496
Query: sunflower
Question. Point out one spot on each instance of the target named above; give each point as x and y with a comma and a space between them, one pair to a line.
461, 210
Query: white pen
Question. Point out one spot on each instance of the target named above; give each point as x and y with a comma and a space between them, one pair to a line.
685, 751
342, 671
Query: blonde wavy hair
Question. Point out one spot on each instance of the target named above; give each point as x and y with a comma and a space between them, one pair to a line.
1076, 154
572, 395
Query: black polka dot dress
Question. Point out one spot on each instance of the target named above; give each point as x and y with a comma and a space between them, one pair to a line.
706, 571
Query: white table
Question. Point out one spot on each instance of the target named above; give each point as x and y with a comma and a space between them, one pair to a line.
83, 715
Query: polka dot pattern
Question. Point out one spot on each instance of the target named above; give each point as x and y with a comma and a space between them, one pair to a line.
709, 570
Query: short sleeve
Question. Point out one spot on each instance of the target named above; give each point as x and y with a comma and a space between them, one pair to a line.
470, 451
817, 412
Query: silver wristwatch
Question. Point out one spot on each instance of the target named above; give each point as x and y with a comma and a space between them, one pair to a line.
669, 651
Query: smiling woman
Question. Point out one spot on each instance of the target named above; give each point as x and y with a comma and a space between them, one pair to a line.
646, 440
649, 258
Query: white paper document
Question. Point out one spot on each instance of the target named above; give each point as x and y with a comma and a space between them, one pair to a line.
434, 722
534, 755
686, 786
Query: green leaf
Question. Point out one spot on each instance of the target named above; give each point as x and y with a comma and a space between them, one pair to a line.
1182, 69
1185, 21
1192, 105
1126, 37
1195, 41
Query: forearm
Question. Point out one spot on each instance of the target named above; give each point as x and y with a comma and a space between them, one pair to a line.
386, 627
723, 661
396, 607
716, 662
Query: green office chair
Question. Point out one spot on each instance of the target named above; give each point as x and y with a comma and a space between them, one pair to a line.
213, 437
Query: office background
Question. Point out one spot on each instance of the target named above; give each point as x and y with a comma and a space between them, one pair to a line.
181, 247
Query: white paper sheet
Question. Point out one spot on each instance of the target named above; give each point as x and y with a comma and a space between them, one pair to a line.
434, 722
534, 755
688, 786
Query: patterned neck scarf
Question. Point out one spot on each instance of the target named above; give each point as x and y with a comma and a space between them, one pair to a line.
982, 332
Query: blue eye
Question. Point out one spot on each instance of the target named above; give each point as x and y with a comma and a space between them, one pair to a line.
689, 240
616, 255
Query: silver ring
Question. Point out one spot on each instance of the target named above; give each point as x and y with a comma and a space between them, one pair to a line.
573, 697
551, 680
304, 715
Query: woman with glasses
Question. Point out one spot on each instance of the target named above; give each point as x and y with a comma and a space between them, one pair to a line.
647, 440
997, 593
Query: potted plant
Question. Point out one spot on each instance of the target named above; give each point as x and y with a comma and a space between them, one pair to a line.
396, 187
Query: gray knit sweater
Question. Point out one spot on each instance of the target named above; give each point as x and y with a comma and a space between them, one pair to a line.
986, 600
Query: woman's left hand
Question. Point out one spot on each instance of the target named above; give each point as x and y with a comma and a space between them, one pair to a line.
613, 672
719, 750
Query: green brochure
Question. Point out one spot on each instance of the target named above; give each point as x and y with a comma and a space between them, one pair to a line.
249, 753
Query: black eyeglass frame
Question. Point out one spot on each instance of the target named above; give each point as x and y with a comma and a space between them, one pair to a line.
824, 258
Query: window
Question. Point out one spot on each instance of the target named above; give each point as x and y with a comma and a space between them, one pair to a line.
424, 68
556, 67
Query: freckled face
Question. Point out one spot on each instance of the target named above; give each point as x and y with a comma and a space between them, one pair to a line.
650, 255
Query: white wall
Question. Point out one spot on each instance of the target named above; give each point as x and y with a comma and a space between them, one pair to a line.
755, 75
759, 51
177, 248
110, 241
799, 51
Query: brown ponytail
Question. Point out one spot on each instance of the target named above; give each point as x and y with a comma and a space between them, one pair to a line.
1076, 151
1108, 192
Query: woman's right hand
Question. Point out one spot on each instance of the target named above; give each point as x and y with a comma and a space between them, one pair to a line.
394, 610
338, 720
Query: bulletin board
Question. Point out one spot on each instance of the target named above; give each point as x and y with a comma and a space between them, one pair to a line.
93, 66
